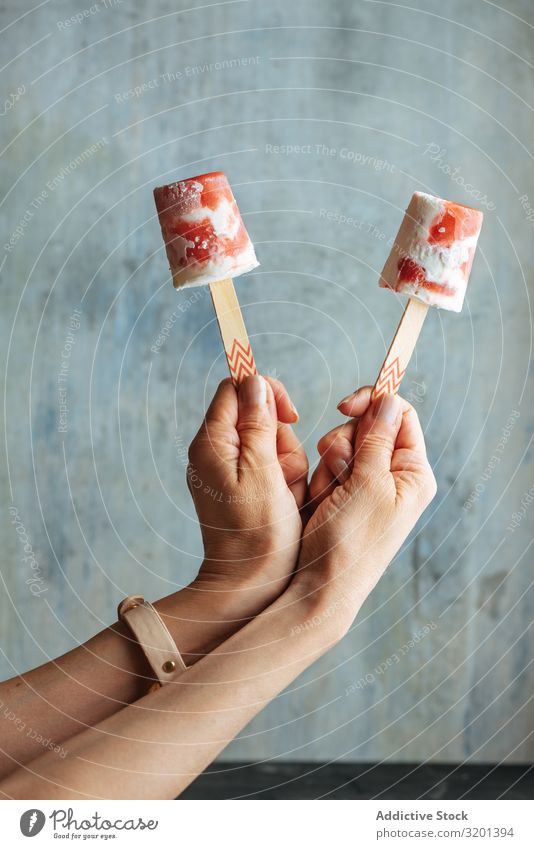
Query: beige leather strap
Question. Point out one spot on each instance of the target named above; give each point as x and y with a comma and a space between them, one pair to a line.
153, 636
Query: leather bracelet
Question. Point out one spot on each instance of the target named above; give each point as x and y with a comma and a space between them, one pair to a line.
154, 638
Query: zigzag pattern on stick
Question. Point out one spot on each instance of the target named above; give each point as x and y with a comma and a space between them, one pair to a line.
241, 362
389, 379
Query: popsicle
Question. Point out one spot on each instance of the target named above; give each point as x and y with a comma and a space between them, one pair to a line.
207, 245
430, 261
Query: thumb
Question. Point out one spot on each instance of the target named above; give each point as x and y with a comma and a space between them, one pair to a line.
377, 433
257, 421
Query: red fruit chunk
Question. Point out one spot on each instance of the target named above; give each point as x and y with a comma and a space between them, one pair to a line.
410, 272
456, 222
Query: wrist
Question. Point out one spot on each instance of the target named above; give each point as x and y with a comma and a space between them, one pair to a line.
335, 587
243, 588
213, 607
198, 620
236, 592
319, 612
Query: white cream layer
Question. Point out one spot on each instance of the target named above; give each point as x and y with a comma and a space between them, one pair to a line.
211, 271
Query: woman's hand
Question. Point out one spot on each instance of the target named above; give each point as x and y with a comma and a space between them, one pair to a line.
247, 475
371, 485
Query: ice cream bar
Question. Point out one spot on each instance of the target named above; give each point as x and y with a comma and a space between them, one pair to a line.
433, 252
204, 235
430, 261
207, 244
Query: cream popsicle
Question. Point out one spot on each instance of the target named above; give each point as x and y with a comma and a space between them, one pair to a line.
204, 235
207, 244
430, 261
433, 252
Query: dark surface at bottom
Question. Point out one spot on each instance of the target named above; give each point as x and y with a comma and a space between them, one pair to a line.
278, 780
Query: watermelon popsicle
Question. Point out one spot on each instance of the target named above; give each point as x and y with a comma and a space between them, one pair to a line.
430, 261
207, 245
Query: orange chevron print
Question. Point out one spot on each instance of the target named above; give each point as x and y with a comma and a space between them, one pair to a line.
389, 379
241, 362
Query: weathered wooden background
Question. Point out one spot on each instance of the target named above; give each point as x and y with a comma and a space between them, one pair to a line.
316, 110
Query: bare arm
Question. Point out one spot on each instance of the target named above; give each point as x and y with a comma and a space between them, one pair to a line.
155, 747
46, 706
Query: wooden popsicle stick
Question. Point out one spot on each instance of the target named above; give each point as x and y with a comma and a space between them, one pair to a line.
233, 331
401, 349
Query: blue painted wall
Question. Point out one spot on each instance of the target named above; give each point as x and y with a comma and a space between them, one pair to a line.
326, 116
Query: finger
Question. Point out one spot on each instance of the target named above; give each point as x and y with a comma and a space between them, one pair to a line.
337, 449
293, 461
257, 423
376, 435
215, 448
412, 471
291, 454
287, 412
357, 403
322, 484
411, 435
223, 407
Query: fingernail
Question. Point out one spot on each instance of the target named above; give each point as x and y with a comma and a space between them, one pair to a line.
294, 409
349, 397
341, 469
386, 408
253, 391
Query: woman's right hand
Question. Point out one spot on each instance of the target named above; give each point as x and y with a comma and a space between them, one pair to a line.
372, 484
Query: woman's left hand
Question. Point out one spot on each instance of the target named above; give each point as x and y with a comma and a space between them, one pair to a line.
247, 475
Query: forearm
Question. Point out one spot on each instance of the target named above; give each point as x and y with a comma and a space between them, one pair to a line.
45, 707
155, 747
